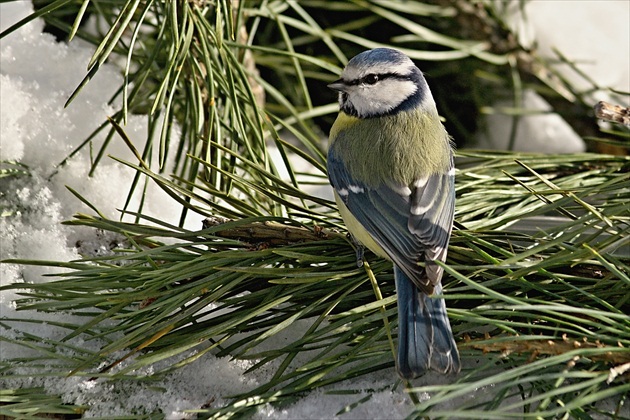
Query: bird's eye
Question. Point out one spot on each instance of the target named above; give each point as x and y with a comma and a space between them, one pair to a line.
371, 79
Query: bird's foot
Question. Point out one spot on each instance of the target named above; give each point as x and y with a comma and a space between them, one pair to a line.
359, 248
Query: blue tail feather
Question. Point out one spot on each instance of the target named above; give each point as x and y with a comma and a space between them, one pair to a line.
425, 339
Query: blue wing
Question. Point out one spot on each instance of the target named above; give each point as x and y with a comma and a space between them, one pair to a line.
412, 223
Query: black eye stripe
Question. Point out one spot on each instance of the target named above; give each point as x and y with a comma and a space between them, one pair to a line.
380, 76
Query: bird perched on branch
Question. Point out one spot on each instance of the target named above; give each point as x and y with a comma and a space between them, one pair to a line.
390, 162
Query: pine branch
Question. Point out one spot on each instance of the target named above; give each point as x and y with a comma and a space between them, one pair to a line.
269, 233
507, 345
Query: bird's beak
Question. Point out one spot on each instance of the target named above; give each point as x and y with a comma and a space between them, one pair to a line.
338, 85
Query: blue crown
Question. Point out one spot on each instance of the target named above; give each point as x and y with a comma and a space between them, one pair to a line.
383, 55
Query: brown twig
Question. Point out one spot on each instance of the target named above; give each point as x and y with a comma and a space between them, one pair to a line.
547, 347
613, 113
272, 233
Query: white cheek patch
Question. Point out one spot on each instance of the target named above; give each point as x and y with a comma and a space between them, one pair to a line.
381, 97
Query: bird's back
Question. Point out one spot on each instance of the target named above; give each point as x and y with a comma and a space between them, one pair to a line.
405, 147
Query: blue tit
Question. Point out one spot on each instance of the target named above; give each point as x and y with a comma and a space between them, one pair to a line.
390, 162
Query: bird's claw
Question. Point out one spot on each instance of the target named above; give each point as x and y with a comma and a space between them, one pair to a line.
359, 248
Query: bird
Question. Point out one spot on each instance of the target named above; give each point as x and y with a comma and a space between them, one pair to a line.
390, 163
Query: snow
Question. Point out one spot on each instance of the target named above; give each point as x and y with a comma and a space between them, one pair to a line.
36, 78
534, 133
596, 37
594, 34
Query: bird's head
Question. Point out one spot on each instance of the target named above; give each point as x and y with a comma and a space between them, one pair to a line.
380, 82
